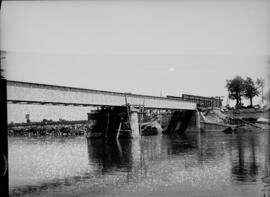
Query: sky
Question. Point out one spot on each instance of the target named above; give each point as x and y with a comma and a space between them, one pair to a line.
150, 47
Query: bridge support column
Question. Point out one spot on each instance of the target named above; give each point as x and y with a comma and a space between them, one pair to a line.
134, 123
195, 122
198, 120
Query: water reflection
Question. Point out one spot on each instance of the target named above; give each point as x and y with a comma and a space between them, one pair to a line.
244, 165
124, 154
207, 162
110, 154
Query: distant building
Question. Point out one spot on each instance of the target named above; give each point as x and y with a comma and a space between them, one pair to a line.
202, 101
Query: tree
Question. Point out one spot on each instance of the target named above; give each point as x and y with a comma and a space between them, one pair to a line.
250, 90
236, 89
260, 83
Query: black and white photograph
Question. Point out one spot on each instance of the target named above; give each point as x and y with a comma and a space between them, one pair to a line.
135, 98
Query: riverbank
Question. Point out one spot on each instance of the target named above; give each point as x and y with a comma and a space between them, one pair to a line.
249, 113
237, 118
59, 128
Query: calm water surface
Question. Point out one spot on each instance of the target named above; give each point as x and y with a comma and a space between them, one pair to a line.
210, 164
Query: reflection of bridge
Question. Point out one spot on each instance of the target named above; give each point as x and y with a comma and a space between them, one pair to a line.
33, 93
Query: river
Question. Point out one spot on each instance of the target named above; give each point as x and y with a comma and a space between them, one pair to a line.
210, 164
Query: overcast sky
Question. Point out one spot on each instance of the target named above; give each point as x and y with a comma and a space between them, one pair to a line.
184, 46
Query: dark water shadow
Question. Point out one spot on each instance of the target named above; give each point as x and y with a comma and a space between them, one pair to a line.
110, 154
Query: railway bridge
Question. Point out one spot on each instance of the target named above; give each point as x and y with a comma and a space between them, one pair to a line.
44, 94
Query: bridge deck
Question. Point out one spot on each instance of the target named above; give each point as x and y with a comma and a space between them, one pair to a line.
33, 93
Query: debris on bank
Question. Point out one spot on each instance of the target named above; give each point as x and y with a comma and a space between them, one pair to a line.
150, 128
214, 115
235, 119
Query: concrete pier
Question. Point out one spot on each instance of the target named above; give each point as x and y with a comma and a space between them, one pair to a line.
134, 123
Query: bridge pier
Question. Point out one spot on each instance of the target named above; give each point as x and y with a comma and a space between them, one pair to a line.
114, 122
195, 122
134, 123
183, 121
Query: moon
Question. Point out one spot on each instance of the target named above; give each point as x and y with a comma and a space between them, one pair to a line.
172, 69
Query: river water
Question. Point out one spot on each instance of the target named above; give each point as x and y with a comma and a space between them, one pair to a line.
210, 164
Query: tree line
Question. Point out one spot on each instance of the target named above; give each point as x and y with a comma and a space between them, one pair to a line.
247, 88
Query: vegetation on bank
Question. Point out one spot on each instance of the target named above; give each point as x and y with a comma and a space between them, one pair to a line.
63, 129
240, 88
